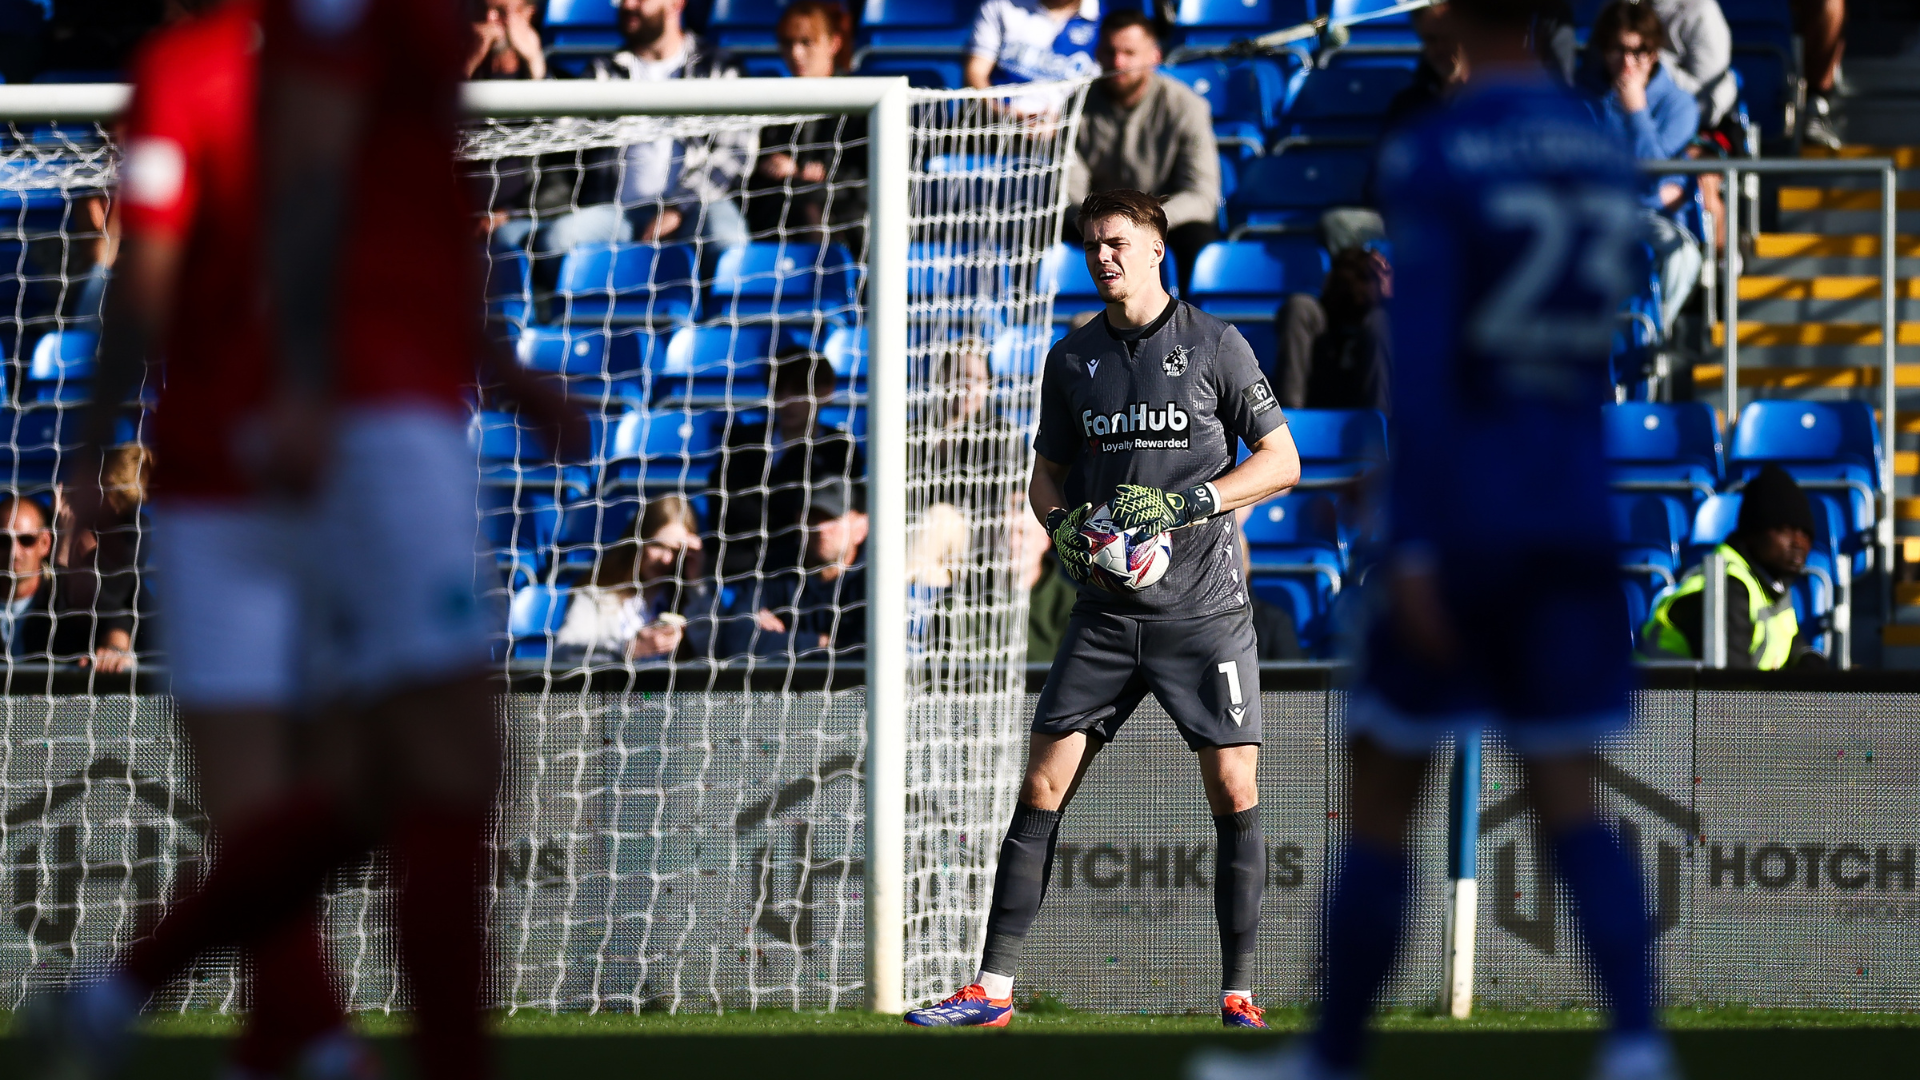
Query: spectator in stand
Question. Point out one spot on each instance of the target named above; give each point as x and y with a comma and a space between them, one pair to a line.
1698, 55
967, 442
1050, 595
1640, 103
647, 599
1336, 351
1145, 131
817, 609
1821, 25
1441, 69
506, 42
768, 471
52, 615
662, 190
1766, 552
106, 560
809, 183
1017, 41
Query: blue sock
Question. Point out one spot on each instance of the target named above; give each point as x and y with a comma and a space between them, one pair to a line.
1611, 908
1363, 934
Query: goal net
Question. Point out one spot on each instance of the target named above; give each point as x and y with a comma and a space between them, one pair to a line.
685, 641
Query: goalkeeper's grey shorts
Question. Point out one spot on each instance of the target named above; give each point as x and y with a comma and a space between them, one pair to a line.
1205, 673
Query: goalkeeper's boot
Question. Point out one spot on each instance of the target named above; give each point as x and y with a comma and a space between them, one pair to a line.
1646, 1056
970, 1007
1240, 1012
1295, 1061
81, 1034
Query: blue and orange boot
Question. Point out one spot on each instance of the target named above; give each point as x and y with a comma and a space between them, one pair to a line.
1240, 1012
970, 1007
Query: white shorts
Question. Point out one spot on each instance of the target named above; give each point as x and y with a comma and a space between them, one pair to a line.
372, 588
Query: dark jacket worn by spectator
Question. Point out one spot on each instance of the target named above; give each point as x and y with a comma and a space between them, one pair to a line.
1336, 352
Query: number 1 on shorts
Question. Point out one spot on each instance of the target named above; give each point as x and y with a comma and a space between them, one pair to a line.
1231, 669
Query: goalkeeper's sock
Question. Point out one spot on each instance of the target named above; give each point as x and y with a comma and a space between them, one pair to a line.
293, 1002
1363, 934
1611, 910
265, 871
1026, 864
1239, 882
442, 853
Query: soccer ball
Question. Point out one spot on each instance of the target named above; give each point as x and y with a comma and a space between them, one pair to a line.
1121, 561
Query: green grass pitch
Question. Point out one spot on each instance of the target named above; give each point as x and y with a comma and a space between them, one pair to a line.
1050, 1043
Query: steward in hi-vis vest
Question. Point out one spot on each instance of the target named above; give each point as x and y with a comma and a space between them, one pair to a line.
1766, 552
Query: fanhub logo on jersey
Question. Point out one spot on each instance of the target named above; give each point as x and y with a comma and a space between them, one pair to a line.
1139, 418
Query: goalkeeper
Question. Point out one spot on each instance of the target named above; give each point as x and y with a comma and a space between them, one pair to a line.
1140, 409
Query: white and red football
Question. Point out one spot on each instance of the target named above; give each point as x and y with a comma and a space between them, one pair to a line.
1121, 561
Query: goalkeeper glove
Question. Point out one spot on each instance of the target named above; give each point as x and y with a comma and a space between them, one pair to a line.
1069, 543
1149, 511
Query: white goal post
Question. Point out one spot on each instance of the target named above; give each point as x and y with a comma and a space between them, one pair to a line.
887, 105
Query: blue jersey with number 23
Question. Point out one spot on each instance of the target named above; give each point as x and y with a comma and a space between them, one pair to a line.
1515, 238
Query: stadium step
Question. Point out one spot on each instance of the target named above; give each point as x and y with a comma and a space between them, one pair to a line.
1830, 246
1761, 335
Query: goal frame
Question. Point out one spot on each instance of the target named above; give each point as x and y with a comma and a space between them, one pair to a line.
885, 103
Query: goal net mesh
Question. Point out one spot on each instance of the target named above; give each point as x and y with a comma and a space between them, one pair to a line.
683, 614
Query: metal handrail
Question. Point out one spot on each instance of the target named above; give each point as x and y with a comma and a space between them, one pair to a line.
1732, 170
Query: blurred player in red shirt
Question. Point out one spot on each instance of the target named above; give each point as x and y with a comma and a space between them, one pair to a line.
318, 304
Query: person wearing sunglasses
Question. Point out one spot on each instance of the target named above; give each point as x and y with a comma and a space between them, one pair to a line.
58, 616
1637, 100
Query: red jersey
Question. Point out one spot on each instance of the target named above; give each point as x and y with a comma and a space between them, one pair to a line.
409, 296
187, 176
408, 314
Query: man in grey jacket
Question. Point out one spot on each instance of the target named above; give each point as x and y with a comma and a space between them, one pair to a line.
1699, 55
1145, 131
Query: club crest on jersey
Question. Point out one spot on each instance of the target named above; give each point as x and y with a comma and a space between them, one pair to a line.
1175, 362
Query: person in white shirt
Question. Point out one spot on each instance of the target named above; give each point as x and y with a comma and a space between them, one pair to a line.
665, 190
645, 600
1017, 41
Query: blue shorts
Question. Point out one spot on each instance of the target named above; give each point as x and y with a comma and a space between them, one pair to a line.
1545, 659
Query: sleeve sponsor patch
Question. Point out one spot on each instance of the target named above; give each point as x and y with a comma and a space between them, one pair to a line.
1259, 398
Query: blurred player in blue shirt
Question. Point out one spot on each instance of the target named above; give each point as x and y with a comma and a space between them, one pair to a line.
1514, 219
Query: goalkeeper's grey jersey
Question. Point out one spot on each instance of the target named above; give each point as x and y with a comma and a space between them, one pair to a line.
1163, 410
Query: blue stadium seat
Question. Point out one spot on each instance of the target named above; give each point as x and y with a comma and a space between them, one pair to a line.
846, 349
517, 528
62, 366
851, 419
511, 456
1347, 103
594, 362
1288, 192
1637, 334
744, 26
919, 25
627, 283
663, 449
786, 283
721, 364
925, 71
36, 441
583, 25
510, 288
1236, 122
954, 273
1651, 529
535, 614
1296, 538
1244, 282
1765, 77
1337, 446
1387, 32
1202, 23
1017, 353
1639, 599
1654, 447
1260, 88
